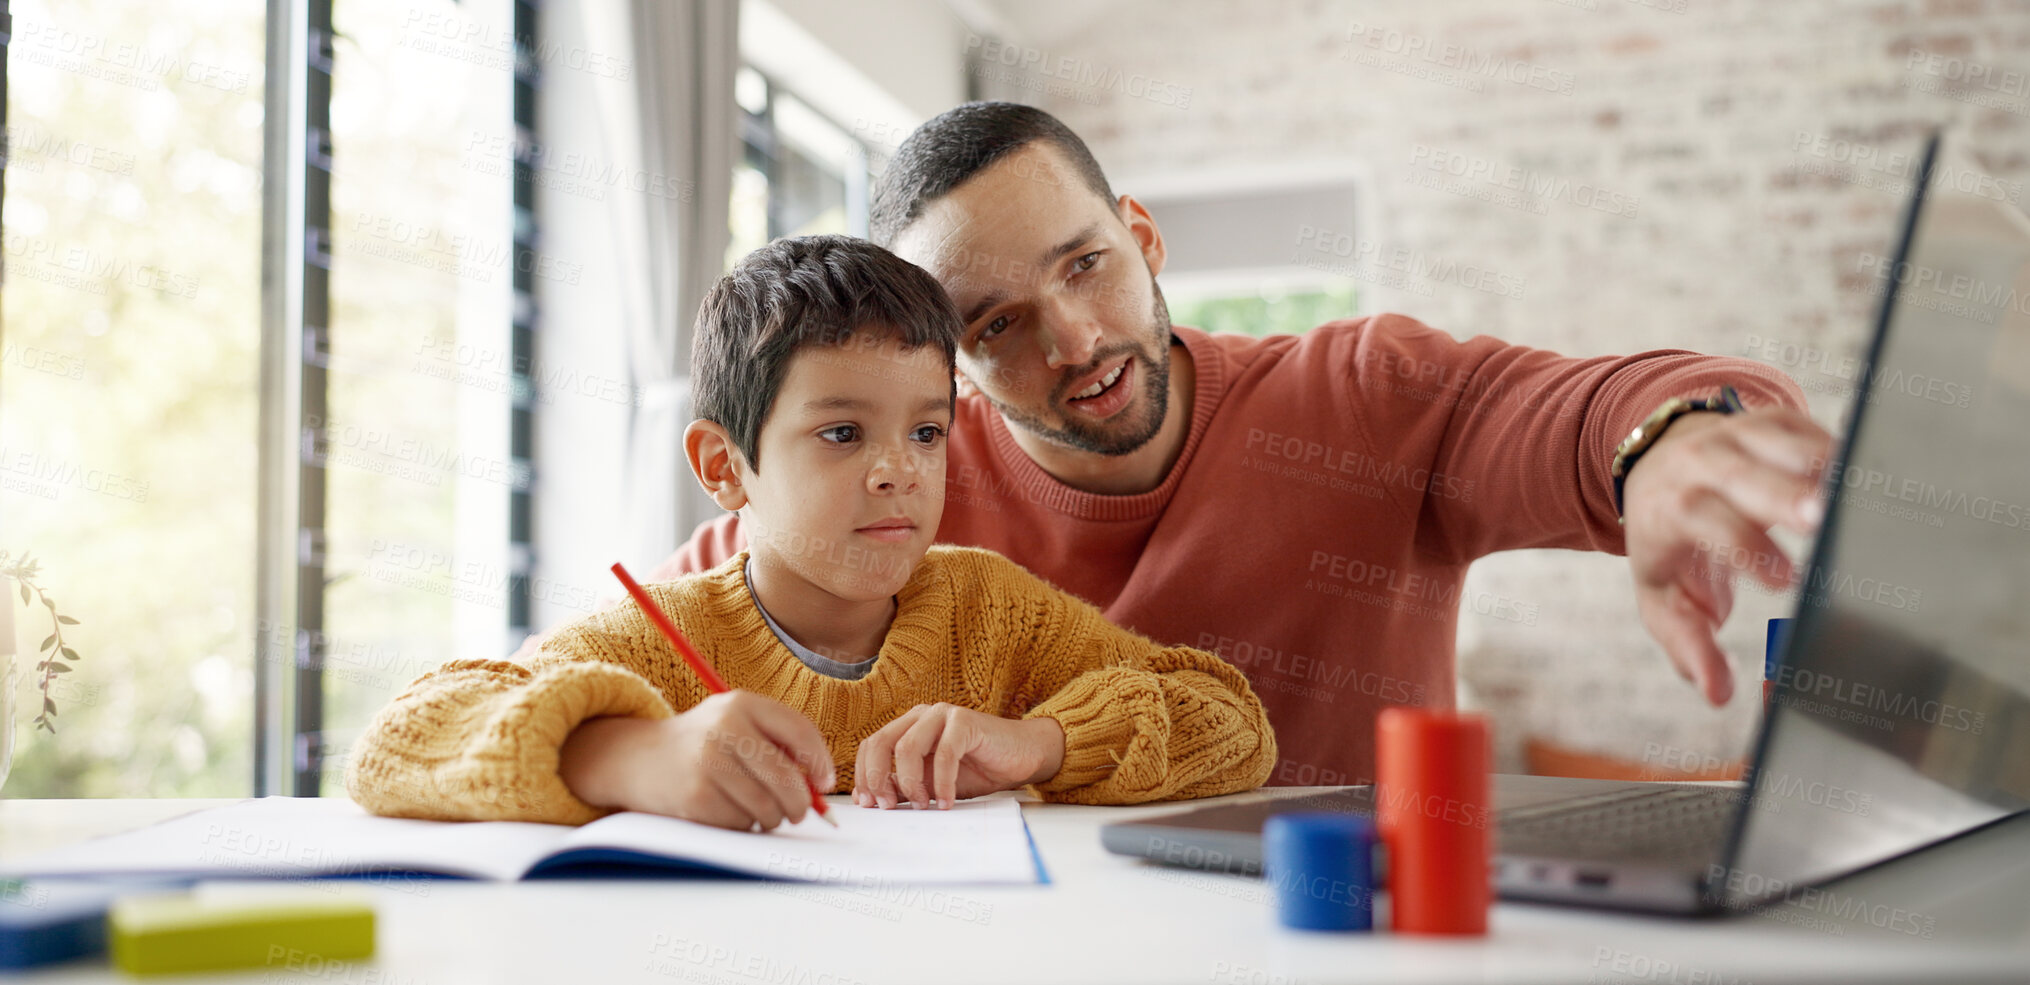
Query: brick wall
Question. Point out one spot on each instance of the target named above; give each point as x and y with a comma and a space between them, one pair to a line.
1703, 174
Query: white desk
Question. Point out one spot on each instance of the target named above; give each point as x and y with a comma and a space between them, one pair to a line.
1109, 919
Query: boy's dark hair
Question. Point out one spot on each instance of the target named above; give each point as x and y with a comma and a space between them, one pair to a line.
959, 143
799, 292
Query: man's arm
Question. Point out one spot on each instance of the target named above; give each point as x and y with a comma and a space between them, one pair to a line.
1532, 435
1523, 438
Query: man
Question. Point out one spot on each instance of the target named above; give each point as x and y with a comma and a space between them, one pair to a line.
1307, 506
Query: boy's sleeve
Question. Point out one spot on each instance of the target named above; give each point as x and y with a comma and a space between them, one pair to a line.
1141, 721
478, 740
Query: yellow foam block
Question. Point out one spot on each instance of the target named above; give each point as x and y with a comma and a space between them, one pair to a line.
193, 932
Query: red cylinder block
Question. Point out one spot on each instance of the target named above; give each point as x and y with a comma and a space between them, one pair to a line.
1434, 811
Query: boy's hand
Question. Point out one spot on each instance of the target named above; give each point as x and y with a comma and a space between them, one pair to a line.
736, 760
934, 754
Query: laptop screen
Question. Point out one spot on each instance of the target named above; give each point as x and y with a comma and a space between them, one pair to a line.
1902, 711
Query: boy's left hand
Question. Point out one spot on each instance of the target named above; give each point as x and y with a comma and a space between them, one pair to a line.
935, 754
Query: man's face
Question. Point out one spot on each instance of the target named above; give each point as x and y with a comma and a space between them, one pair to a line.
1065, 333
854, 456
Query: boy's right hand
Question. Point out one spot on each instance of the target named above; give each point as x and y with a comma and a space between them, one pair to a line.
736, 760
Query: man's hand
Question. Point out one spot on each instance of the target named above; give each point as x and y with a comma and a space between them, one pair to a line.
735, 761
935, 754
1698, 506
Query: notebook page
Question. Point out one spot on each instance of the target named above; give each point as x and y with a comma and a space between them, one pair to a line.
978, 841
301, 837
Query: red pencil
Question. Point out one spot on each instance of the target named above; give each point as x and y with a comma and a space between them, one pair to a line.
713, 682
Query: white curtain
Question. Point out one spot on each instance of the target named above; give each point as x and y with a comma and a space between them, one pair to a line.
673, 125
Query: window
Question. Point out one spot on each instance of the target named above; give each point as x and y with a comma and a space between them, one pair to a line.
800, 174
128, 380
1264, 311
1258, 257
131, 375
420, 380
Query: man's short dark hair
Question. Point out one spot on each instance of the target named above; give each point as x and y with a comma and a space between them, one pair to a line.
959, 143
797, 293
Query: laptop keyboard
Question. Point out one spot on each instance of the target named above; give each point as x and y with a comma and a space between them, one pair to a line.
1666, 825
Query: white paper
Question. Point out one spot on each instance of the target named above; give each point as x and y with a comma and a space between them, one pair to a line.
981, 841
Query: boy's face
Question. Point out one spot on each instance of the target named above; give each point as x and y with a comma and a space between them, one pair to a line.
854, 456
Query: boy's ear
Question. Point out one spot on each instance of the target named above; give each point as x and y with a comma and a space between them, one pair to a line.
966, 387
711, 453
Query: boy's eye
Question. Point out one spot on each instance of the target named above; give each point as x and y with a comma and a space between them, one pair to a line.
928, 434
1087, 262
841, 434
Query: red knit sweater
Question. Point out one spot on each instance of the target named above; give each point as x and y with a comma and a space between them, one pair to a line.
1332, 490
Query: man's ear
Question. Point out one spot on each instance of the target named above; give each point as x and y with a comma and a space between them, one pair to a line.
712, 455
1142, 226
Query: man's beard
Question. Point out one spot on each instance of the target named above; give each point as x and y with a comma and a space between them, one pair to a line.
1114, 437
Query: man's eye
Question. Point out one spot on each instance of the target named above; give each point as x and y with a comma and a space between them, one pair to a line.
995, 327
1087, 262
842, 434
929, 434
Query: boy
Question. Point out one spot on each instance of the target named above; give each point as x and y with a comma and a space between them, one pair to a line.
861, 657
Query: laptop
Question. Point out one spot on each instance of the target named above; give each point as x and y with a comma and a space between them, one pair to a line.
1901, 712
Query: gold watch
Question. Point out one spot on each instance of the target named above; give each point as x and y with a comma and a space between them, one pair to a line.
1652, 428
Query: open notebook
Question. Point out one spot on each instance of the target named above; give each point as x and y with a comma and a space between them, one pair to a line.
980, 841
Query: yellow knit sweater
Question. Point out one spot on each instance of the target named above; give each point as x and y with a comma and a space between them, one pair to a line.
479, 739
